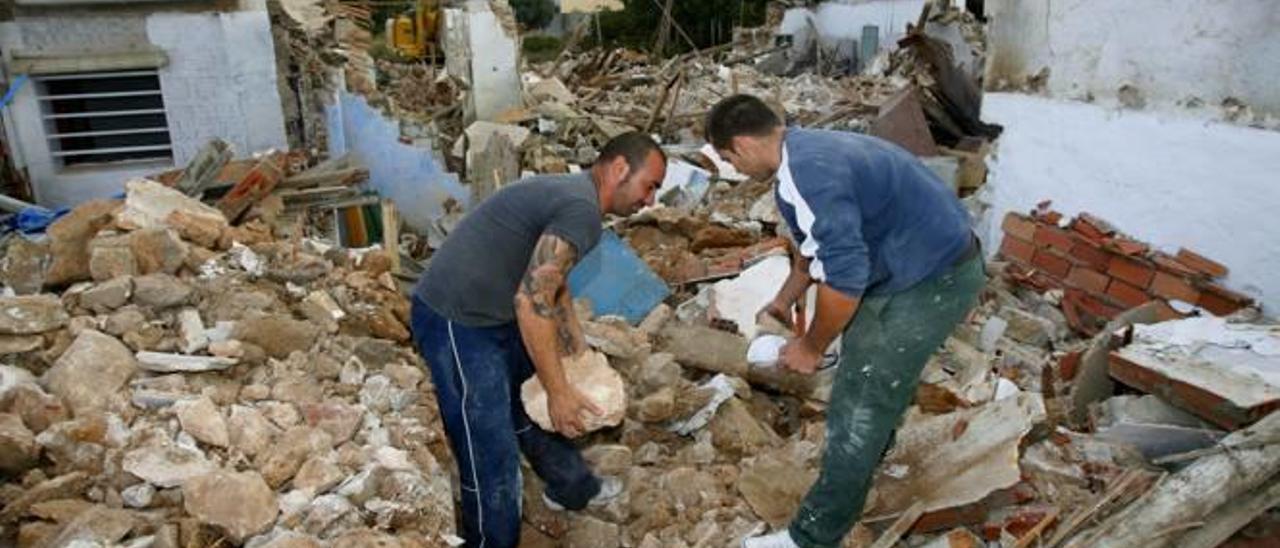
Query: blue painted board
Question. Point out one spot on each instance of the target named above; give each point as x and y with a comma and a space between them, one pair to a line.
617, 281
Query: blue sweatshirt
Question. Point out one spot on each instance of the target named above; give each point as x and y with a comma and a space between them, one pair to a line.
871, 217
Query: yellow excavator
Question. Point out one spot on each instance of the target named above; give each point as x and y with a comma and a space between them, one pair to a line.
413, 34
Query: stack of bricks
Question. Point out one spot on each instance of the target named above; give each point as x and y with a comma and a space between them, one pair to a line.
1103, 273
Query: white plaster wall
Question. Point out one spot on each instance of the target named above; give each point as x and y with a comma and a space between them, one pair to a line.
1163, 178
844, 21
220, 81
495, 69
1171, 50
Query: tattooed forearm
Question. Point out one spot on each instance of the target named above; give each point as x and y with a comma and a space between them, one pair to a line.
545, 278
567, 341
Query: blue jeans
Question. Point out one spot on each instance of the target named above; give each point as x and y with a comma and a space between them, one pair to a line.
477, 373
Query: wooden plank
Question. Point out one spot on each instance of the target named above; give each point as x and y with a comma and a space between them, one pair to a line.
204, 168
391, 233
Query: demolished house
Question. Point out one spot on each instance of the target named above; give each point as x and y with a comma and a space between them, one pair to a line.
215, 349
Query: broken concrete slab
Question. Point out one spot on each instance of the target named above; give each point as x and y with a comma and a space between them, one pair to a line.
149, 204
97, 526
281, 460
90, 372
108, 295
614, 337
734, 430
25, 264
111, 256
951, 460
18, 449
192, 331
31, 314
19, 344
249, 431
166, 464
320, 308
1028, 328
774, 487
69, 241
160, 290
1226, 374
277, 335
239, 503
158, 250
590, 373
202, 419
705, 348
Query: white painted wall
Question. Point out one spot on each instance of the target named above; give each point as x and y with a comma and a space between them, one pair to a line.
844, 21
1171, 50
481, 52
220, 81
1162, 177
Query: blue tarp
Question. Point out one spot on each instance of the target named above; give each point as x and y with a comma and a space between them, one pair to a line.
616, 281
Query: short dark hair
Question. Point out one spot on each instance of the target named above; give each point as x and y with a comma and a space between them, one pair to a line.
632, 145
739, 115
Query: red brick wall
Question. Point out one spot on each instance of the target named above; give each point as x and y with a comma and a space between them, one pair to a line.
1102, 272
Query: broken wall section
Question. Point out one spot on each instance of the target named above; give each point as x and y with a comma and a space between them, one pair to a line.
410, 175
482, 47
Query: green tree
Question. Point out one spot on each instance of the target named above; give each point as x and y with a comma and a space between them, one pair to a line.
705, 22
534, 14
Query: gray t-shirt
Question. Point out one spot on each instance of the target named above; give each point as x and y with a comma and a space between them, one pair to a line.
473, 277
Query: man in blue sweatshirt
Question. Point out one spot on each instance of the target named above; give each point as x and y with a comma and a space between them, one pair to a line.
897, 268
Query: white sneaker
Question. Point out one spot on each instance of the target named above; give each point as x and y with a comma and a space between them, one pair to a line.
610, 488
776, 539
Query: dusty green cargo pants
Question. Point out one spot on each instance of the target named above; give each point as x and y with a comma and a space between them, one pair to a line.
884, 350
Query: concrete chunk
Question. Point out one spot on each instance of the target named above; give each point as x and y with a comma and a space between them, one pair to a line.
31, 314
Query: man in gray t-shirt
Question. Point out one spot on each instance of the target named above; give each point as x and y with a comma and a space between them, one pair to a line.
494, 308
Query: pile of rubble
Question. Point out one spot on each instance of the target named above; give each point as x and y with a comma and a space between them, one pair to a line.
1009, 438
197, 380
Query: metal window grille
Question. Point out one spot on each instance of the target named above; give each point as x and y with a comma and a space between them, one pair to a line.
104, 117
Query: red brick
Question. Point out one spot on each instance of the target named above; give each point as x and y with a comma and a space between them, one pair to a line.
1221, 301
1173, 266
1052, 263
1086, 228
1173, 287
1126, 294
1052, 217
1200, 263
1054, 237
1091, 254
1127, 247
1017, 249
1130, 270
1088, 279
1101, 306
1068, 365
1096, 223
1020, 226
